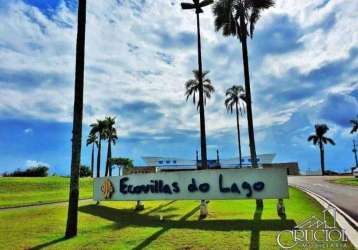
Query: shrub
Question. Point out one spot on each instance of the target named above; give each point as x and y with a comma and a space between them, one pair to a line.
85, 171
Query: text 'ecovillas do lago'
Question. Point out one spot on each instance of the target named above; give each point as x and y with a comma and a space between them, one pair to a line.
195, 185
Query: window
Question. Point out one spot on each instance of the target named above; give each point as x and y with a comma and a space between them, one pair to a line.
175, 162
167, 162
160, 162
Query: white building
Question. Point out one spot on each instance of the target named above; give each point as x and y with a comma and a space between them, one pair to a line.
172, 163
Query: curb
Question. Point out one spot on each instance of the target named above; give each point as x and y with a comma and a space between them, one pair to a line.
343, 219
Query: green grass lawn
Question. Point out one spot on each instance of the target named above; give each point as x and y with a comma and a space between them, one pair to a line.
352, 181
114, 225
16, 191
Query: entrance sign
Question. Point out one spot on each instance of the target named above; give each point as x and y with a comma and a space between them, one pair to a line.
218, 184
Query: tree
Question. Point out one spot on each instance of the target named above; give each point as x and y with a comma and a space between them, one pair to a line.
192, 87
92, 140
238, 18
72, 214
320, 139
110, 134
235, 97
125, 163
354, 125
85, 171
98, 128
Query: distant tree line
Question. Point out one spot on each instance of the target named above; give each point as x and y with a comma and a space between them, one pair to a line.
42, 171
38, 171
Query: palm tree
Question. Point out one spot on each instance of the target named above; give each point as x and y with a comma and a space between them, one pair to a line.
235, 96
72, 214
92, 140
319, 138
238, 18
98, 128
110, 134
355, 125
192, 87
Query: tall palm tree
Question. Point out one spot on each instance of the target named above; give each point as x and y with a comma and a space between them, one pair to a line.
238, 18
192, 87
235, 97
318, 137
98, 128
354, 125
72, 214
92, 140
110, 134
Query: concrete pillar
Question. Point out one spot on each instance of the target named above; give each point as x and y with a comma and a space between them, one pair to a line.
280, 207
139, 206
203, 209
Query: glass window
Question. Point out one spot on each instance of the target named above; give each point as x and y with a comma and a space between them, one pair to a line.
160, 162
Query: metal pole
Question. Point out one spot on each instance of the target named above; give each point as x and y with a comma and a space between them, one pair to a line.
204, 164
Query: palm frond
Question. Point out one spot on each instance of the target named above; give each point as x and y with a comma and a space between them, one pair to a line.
330, 141
311, 137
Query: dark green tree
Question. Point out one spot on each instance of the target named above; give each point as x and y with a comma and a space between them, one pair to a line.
92, 140
72, 214
85, 171
98, 129
110, 134
238, 18
235, 98
320, 139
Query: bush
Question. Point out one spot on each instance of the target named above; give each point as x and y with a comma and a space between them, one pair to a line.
85, 171
39, 171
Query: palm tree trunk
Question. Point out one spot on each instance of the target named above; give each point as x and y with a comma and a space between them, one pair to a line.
109, 156
92, 159
245, 60
204, 163
72, 214
321, 149
99, 157
238, 134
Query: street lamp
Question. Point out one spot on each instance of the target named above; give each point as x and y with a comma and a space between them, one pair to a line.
198, 9
354, 150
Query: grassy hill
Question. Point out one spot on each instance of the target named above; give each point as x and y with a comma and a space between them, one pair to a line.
17, 191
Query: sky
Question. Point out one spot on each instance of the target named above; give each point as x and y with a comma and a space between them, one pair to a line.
303, 66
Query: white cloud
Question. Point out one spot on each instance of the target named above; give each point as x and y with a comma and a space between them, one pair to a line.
34, 163
123, 65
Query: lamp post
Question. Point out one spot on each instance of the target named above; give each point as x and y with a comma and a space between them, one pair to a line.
198, 9
354, 150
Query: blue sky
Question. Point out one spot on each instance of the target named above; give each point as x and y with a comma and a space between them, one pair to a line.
304, 70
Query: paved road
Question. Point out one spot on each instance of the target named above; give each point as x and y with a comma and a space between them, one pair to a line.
343, 196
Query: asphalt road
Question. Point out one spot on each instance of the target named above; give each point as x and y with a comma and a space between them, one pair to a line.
343, 196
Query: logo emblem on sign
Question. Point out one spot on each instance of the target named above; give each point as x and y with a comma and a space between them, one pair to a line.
107, 188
